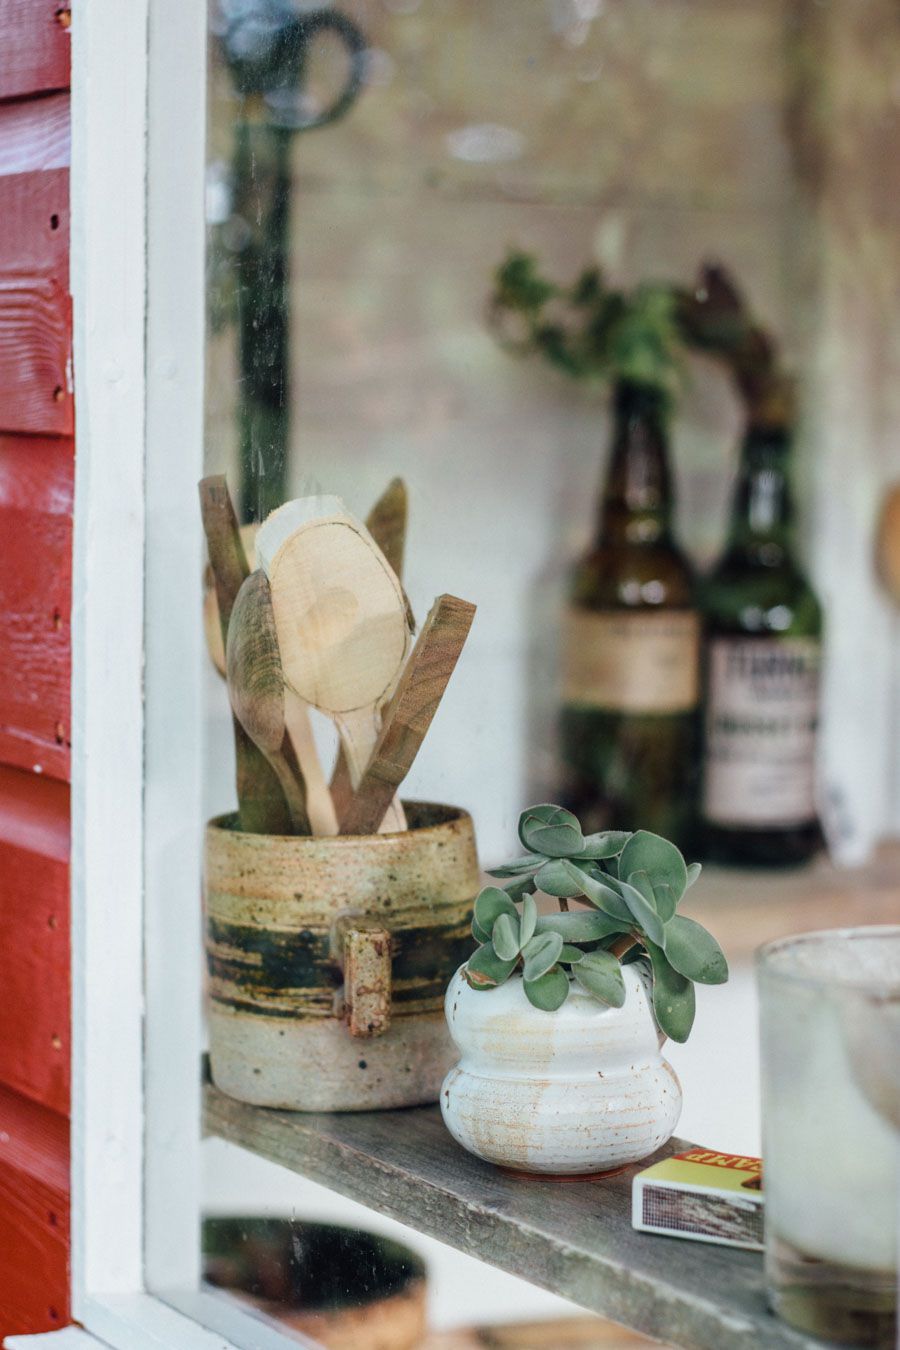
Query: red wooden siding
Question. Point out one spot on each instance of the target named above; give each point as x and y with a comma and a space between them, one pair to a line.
34, 1204
35, 578
34, 953
36, 464
34, 40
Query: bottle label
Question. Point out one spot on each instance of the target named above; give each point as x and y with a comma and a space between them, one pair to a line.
642, 662
762, 712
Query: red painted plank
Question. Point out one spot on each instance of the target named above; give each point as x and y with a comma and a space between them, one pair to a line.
35, 583
35, 1040
35, 43
35, 135
34, 1217
35, 309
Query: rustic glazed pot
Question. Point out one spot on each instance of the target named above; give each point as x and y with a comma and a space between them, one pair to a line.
580, 1090
338, 1287
328, 959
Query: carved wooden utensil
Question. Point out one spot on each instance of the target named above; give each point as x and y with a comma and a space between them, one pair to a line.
409, 713
340, 617
256, 689
262, 808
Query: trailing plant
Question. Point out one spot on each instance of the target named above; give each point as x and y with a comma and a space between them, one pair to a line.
587, 330
598, 334
626, 889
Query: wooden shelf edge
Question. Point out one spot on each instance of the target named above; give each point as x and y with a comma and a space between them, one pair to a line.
573, 1238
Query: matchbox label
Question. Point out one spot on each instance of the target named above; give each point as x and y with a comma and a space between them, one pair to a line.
702, 1195
733, 1161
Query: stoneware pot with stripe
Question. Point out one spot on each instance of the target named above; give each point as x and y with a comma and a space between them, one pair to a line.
328, 958
578, 1091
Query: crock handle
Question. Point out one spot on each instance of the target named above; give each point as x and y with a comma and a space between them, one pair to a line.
365, 954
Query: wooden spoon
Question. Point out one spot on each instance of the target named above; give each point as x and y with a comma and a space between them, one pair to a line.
410, 712
319, 804
256, 689
340, 617
262, 808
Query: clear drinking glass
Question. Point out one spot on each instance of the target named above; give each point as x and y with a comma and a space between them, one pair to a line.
830, 1028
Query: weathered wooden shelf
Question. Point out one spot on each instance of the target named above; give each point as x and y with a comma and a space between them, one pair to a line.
572, 1237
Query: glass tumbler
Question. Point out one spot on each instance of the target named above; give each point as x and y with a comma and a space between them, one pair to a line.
830, 1029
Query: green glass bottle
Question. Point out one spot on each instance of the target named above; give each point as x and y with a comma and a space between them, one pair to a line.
631, 649
763, 630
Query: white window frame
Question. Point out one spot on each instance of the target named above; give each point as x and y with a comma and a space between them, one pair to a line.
137, 275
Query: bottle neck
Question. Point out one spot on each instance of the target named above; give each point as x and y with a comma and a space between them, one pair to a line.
762, 513
636, 506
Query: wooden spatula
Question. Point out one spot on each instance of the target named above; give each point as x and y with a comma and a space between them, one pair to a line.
409, 713
340, 617
262, 808
256, 689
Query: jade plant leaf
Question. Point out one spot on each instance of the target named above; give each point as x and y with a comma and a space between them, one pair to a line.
673, 996
604, 845
557, 877
489, 905
599, 892
693, 872
540, 954
479, 933
695, 953
666, 903
644, 913
528, 921
601, 975
646, 852
551, 830
549, 991
505, 937
527, 863
517, 889
581, 925
570, 956
485, 970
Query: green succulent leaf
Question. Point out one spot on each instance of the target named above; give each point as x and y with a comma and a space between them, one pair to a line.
478, 932
644, 913
490, 903
601, 975
581, 925
646, 852
549, 991
540, 953
551, 830
695, 953
528, 921
598, 890
558, 877
570, 956
517, 890
666, 904
505, 937
485, 970
674, 1002
693, 872
527, 863
606, 844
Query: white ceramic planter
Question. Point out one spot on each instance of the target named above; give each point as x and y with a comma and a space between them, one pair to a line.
584, 1089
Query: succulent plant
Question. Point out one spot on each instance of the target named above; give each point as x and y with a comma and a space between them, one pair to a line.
627, 887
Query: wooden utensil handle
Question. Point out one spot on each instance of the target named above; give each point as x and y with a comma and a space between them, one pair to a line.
409, 713
364, 946
290, 776
319, 805
262, 808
